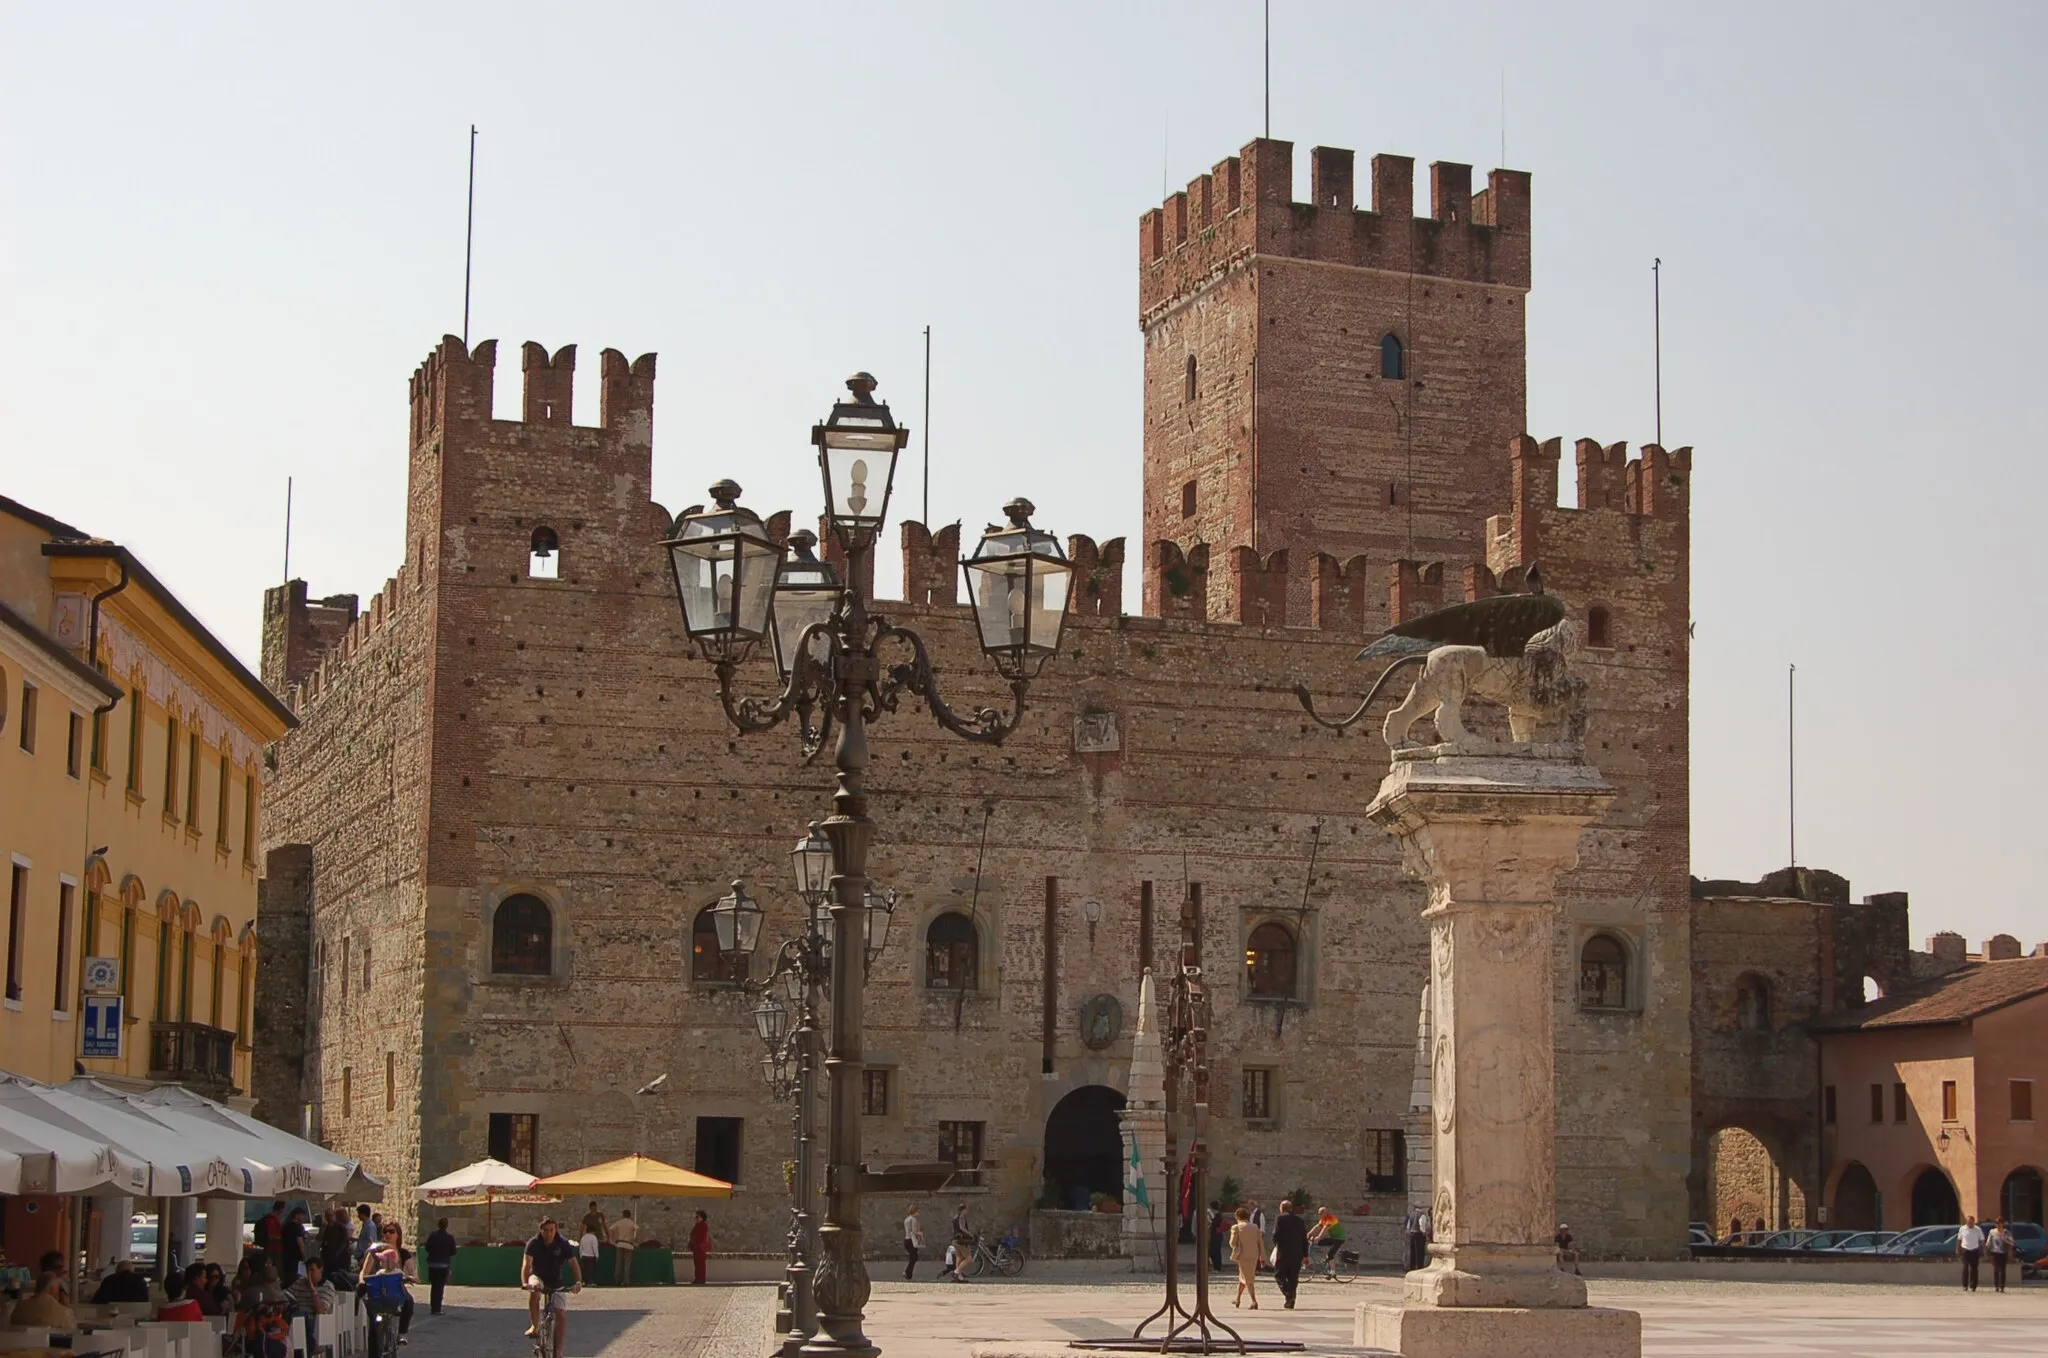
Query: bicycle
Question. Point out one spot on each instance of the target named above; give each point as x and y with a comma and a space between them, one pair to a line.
1339, 1268
1006, 1256
383, 1296
552, 1311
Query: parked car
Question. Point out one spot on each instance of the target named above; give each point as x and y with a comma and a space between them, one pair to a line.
1784, 1240
2029, 1240
1699, 1235
142, 1239
1827, 1240
1863, 1242
1923, 1240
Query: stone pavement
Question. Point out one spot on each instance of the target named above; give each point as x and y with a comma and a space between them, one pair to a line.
637, 1322
1680, 1319
939, 1320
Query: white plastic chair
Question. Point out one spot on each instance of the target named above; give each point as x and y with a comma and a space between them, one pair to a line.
22, 1337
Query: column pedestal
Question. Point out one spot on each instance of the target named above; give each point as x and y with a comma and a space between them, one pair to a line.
1489, 829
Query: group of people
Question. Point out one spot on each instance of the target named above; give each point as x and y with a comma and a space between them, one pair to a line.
959, 1248
1242, 1234
1973, 1242
624, 1237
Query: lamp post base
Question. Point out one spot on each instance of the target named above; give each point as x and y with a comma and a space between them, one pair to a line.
1500, 1331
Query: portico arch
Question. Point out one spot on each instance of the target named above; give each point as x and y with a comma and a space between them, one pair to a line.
1084, 1146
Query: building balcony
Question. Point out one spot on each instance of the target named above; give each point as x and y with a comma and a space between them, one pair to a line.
196, 1055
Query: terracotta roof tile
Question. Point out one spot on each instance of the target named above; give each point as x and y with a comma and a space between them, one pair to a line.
1957, 997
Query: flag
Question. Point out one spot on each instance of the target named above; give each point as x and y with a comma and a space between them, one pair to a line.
1135, 1179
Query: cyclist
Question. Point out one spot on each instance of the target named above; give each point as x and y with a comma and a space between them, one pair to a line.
1329, 1233
387, 1268
547, 1254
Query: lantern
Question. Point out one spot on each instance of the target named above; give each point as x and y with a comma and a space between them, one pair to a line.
1017, 580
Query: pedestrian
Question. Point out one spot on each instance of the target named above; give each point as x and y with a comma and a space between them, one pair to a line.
1970, 1245
700, 1247
366, 1235
625, 1235
270, 1235
956, 1260
594, 1222
913, 1241
1567, 1253
1259, 1221
963, 1229
1411, 1232
1290, 1247
1246, 1244
588, 1250
336, 1261
1999, 1245
295, 1251
1219, 1228
440, 1249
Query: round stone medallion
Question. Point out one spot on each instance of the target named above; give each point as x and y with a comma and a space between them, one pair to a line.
1102, 1019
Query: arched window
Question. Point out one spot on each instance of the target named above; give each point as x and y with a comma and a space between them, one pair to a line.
1269, 962
544, 558
522, 937
952, 953
1753, 1004
1391, 358
1191, 377
1599, 627
707, 964
1603, 973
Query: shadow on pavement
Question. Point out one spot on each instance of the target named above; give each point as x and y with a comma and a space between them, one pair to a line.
499, 1332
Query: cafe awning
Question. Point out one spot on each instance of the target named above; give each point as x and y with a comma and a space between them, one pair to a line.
636, 1176
483, 1182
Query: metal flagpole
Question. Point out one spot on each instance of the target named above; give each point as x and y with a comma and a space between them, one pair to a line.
469, 236
1791, 765
287, 530
1657, 337
1269, 69
925, 435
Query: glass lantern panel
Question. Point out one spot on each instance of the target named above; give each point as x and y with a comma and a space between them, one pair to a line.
796, 609
1048, 594
859, 468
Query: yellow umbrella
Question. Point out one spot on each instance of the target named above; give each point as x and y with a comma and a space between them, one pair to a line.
634, 1177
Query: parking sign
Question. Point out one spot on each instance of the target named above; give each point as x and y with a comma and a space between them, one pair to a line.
100, 1035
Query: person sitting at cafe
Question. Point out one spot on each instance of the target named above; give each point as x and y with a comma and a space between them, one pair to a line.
311, 1292
179, 1304
124, 1284
44, 1310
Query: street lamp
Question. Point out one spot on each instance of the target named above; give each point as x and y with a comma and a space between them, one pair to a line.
736, 919
849, 668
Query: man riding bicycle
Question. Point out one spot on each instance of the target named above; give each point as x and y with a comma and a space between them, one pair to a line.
1329, 1233
547, 1255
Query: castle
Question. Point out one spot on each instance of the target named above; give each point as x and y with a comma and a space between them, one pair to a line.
512, 790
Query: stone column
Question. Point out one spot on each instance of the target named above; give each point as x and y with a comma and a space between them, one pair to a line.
1490, 833
110, 1241
223, 1232
1144, 1125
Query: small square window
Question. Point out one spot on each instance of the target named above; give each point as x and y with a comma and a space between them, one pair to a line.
514, 1138
1949, 1102
874, 1092
960, 1147
28, 718
1187, 500
74, 746
718, 1148
1899, 1103
2022, 1100
1877, 1103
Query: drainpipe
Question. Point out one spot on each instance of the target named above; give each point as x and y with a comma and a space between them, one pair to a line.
92, 640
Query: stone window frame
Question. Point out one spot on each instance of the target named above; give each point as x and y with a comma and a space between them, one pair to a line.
1301, 924
1605, 628
491, 930
1753, 982
982, 917
555, 897
1275, 1091
1632, 962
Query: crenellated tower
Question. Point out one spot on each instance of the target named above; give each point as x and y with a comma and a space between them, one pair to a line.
1328, 380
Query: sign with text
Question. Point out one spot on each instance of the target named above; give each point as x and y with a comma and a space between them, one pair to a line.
100, 1034
102, 975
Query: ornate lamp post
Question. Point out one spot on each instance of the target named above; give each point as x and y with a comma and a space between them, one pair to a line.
831, 654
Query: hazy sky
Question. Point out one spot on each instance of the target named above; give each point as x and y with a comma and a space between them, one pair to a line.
228, 234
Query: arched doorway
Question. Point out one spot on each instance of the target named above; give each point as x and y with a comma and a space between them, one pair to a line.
1745, 1179
1856, 1206
1084, 1147
2020, 1198
1934, 1200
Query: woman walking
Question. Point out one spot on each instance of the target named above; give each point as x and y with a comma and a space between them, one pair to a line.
1245, 1248
1999, 1245
700, 1247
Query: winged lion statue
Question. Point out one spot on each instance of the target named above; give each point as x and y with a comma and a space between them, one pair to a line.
1511, 649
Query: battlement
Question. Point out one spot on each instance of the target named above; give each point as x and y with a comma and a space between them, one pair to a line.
455, 382
1244, 206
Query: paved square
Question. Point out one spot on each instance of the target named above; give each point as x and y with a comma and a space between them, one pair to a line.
931, 1320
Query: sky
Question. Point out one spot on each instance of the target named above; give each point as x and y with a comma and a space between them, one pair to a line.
229, 234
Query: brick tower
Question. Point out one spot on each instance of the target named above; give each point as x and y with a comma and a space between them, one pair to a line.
1326, 381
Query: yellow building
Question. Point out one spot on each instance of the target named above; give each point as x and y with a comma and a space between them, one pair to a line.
131, 782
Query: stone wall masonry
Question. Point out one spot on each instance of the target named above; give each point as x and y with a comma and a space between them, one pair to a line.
500, 733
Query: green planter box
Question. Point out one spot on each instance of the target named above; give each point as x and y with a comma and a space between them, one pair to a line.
498, 1266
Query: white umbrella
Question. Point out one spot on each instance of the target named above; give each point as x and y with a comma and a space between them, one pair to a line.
39, 1158
292, 1164
485, 1181
157, 1159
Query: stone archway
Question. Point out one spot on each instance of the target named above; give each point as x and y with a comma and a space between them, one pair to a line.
1934, 1199
1084, 1146
2019, 1198
1746, 1178
1856, 1205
